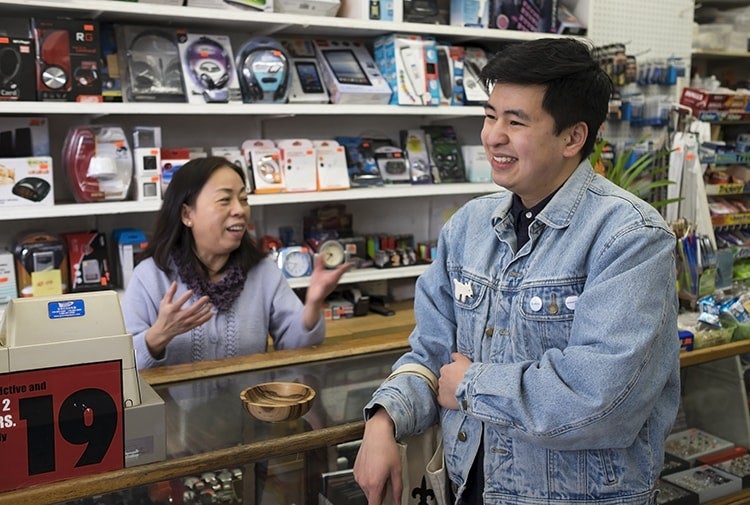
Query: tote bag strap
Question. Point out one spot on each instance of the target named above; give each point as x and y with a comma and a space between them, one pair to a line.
419, 370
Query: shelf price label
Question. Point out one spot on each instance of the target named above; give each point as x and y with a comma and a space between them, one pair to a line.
58, 423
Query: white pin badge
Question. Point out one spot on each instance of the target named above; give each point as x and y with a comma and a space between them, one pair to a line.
462, 290
570, 302
535, 303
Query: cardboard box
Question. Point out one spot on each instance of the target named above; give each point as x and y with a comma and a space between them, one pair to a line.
702, 100
26, 182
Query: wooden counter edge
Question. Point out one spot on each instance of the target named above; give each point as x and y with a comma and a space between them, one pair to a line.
101, 483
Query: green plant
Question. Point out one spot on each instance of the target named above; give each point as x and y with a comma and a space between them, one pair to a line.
644, 175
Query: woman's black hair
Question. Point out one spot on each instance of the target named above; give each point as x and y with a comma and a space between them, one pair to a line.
172, 238
577, 88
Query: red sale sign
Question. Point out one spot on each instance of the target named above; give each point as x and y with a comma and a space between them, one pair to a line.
58, 423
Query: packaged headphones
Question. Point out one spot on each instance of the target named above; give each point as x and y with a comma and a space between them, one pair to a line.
17, 69
208, 66
150, 65
98, 163
67, 57
263, 66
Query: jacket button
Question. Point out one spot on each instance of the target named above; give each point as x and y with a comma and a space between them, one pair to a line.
489, 331
462, 436
464, 404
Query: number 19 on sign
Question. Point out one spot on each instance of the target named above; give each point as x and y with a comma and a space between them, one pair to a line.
59, 423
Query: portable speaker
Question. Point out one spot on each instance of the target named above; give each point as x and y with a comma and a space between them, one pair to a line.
263, 66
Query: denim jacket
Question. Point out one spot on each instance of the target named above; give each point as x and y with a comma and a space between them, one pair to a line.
574, 383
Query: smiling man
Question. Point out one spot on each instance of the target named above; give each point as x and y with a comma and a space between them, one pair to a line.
558, 357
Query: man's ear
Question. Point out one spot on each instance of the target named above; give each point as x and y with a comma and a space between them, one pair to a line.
574, 139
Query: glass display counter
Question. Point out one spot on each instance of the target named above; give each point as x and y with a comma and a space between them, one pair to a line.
218, 453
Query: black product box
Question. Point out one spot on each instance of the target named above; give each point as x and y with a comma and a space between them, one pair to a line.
446, 159
524, 15
669, 494
17, 68
739, 466
673, 464
67, 60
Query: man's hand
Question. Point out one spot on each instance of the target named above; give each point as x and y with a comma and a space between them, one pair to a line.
378, 460
451, 376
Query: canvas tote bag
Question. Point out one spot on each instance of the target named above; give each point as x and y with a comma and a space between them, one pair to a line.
425, 478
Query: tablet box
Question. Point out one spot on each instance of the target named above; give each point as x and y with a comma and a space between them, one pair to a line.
18, 72
473, 13
350, 74
26, 182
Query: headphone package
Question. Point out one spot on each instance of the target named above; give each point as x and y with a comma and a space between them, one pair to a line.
26, 182
149, 64
17, 68
88, 261
67, 60
208, 67
263, 67
98, 163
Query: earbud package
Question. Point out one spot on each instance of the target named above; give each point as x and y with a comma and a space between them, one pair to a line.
264, 162
331, 165
208, 67
149, 64
26, 182
298, 162
98, 163
17, 69
67, 60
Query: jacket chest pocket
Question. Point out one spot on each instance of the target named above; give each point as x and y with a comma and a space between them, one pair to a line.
545, 312
471, 302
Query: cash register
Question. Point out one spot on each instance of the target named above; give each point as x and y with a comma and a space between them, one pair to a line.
52, 332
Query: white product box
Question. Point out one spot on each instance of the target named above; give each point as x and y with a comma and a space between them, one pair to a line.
209, 69
375, 10
414, 144
350, 73
478, 167
409, 65
26, 182
333, 172
264, 163
8, 287
474, 13
308, 7
252, 5
298, 162
233, 154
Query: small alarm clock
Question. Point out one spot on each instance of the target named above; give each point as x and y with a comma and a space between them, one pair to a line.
333, 253
295, 261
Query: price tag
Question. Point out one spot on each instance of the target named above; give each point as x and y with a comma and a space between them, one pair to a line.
59, 423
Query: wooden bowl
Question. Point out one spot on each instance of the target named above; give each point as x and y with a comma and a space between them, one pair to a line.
277, 401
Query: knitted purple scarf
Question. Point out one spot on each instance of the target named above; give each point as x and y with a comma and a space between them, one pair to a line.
222, 294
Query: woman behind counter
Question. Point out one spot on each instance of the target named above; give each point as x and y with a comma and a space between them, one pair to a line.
204, 290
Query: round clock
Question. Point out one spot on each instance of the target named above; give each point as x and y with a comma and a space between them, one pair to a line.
295, 261
333, 253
